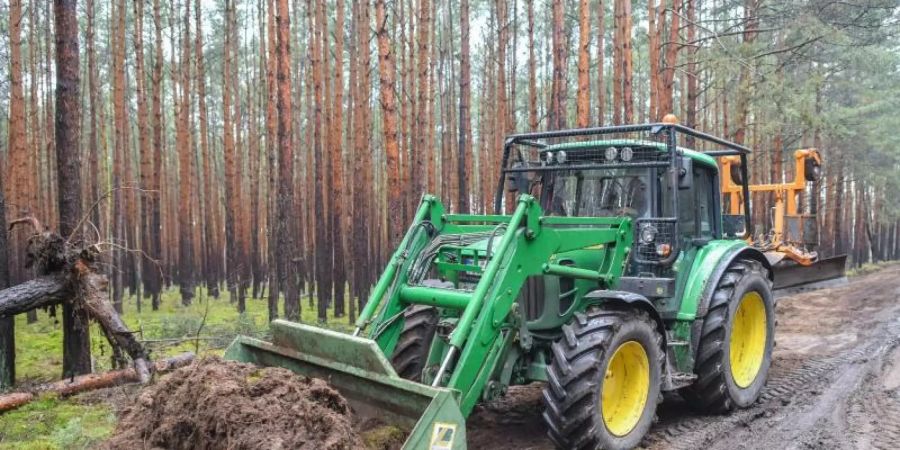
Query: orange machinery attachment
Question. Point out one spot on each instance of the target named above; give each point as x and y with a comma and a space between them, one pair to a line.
793, 233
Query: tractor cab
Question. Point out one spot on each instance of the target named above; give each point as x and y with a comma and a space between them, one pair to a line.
645, 173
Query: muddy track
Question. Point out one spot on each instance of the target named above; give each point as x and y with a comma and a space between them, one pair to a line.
834, 383
804, 407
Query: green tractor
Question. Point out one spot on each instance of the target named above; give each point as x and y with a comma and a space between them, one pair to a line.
614, 277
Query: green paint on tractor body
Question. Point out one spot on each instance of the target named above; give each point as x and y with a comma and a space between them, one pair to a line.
504, 285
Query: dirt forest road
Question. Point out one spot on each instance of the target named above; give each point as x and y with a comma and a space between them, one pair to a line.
834, 384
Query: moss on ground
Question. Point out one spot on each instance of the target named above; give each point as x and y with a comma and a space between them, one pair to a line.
52, 423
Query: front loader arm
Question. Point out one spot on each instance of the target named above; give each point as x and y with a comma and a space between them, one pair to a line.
484, 329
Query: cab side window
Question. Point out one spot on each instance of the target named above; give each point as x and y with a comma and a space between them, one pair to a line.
697, 206
704, 185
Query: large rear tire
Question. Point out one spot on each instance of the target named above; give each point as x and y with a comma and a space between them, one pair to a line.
736, 340
411, 352
604, 380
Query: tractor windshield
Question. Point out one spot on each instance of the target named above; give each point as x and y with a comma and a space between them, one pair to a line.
598, 192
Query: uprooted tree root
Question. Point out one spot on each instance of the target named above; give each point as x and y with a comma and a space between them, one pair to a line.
223, 404
68, 272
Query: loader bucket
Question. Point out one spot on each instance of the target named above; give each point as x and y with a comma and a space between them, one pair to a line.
358, 369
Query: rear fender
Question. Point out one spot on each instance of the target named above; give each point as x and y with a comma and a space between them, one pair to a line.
628, 300
707, 269
716, 275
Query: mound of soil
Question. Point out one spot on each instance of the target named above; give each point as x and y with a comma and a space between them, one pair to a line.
224, 404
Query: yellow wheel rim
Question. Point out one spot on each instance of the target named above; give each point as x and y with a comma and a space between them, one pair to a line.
625, 388
748, 339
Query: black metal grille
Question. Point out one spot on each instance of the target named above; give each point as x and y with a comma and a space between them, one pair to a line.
624, 153
608, 149
663, 231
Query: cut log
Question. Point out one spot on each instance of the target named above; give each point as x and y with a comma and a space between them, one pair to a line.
15, 400
90, 382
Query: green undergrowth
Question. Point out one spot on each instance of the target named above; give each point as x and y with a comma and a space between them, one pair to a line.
51, 423
168, 331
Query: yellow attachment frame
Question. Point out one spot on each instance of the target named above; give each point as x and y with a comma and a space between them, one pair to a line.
786, 205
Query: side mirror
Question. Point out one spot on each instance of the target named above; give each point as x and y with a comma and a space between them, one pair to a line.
685, 168
733, 226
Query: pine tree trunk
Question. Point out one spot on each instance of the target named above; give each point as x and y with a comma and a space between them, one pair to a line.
389, 113
751, 24
22, 193
271, 138
210, 212
363, 137
322, 257
185, 167
119, 152
338, 224
692, 71
667, 95
558, 88
421, 151
617, 62
583, 104
284, 221
93, 143
7, 324
351, 179
232, 202
148, 268
154, 283
653, 52
17, 149
76, 337
465, 110
627, 65
601, 53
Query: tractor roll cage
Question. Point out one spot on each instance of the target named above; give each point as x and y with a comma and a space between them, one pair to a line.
670, 131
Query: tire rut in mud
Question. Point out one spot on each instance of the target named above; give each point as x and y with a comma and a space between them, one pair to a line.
874, 411
681, 429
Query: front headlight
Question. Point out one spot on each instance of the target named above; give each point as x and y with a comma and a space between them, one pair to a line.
648, 234
611, 154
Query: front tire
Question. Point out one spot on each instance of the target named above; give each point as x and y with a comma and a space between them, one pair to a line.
736, 341
604, 381
411, 353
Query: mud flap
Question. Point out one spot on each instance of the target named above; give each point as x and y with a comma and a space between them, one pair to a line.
358, 369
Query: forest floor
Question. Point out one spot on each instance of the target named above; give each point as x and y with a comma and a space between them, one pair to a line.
834, 384
84, 420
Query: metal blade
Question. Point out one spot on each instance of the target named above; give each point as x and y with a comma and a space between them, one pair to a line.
795, 276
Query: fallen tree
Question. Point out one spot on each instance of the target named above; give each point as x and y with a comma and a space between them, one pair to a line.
89, 382
67, 272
